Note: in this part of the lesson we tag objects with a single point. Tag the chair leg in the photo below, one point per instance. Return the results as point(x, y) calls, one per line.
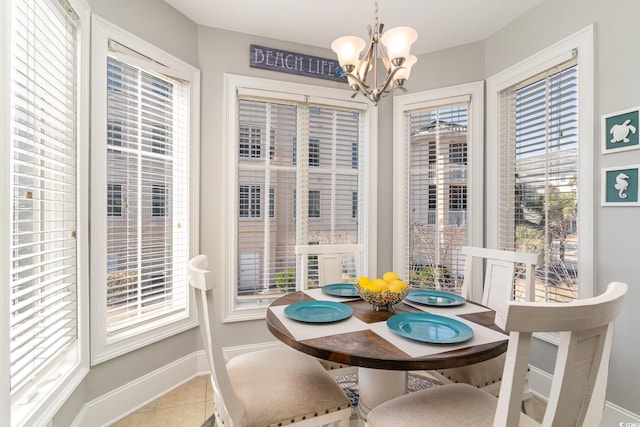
point(527, 405)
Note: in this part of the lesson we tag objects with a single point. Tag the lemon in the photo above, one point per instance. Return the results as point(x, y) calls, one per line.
point(397, 286)
point(390, 276)
point(364, 281)
point(381, 285)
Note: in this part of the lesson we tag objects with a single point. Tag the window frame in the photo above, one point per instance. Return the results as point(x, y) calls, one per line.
point(56, 383)
point(233, 312)
point(106, 344)
point(475, 152)
point(582, 41)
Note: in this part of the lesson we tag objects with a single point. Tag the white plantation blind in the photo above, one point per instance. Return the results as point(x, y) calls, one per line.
point(299, 182)
point(436, 200)
point(147, 195)
point(539, 176)
point(43, 274)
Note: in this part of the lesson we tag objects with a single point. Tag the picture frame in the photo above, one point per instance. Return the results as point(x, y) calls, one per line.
point(620, 185)
point(621, 130)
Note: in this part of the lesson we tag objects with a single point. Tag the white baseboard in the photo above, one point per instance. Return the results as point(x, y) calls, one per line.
point(613, 415)
point(124, 400)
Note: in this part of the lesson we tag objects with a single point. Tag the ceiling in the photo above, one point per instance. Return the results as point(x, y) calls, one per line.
point(440, 25)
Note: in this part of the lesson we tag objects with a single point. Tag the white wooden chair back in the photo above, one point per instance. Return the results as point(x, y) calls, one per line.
point(499, 273)
point(331, 259)
point(229, 409)
point(582, 364)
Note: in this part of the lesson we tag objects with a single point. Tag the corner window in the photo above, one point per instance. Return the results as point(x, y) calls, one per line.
point(143, 146)
point(542, 177)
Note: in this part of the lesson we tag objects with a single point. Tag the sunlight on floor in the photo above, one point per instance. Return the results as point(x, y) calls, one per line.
point(188, 405)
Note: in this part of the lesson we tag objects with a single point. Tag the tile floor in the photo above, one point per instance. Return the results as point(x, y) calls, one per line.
point(190, 404)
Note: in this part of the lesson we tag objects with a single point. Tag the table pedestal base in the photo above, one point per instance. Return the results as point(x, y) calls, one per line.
point(377, 386)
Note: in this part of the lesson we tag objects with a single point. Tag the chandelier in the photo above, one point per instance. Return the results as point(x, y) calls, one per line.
point(392, 48)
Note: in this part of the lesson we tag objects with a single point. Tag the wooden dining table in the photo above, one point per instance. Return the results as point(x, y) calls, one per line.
point(382, 356)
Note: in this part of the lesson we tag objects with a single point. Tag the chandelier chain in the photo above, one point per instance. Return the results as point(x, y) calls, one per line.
point(375, 12)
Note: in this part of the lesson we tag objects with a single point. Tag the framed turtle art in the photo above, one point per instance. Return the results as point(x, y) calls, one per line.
point(620, 186)
point(621, 130)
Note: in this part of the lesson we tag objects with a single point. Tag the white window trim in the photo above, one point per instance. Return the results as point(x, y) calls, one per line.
point(51, 394)
point(103, 346)
point(543, 60)
point(404, 103)
point(262, 87)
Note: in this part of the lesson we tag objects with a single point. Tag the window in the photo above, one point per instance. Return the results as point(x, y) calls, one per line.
point(314, 136)
point(45, 233)
point(250, 200)
point(439, 150)
point(545, 192)
point(354, 205)
point(272, 202)
point(314, 204)
point(314, 153)
point(143, 151)
point(158, 201)
point(114, 200)
point(250, 143)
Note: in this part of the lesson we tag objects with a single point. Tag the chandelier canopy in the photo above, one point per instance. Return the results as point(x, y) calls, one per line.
point(392, 48)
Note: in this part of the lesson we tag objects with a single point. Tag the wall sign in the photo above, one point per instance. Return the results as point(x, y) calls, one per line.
point(621, 130)
point(620, 186)
point(294, 63)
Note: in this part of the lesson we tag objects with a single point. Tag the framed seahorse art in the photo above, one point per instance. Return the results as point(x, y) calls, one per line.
point(621, 130)
point(620, 186)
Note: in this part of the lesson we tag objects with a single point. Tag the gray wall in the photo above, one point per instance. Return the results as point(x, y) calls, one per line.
point(617, 234)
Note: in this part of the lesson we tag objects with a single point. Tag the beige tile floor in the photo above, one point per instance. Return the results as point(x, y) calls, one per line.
point(188, 405)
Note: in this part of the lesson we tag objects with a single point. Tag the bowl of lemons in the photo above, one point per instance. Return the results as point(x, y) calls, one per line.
point(382, 293)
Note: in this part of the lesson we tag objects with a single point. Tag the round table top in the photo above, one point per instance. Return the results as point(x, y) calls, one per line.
point(366, 348)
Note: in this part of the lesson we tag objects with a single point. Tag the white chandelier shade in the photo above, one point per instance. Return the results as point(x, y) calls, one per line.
point(398, 42)
point(348, 49)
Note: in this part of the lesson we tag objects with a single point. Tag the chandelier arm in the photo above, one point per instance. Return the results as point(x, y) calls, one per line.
point(385, 89)
point(367, 60)
point(361, 85)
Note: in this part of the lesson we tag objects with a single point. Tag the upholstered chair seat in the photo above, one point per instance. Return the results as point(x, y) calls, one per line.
point(272, 384)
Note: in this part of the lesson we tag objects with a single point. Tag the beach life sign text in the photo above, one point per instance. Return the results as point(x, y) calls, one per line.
point(294, 63)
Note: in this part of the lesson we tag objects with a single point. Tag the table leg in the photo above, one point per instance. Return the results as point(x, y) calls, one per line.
point(377, 386)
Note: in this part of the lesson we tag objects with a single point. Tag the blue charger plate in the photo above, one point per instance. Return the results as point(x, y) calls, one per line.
point(435, 298)
point(429, 328)
point(340, 290)
point(318, 311)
